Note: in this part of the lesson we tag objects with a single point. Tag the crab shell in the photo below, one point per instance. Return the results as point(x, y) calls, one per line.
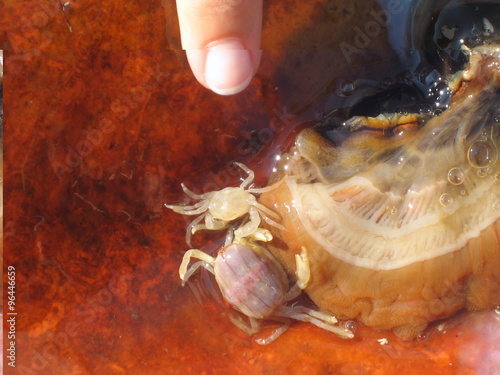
point(401, 230)
point(250, 279)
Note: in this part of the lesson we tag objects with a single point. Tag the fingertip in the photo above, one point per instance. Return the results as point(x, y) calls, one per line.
point(222, 41)
point(226, 67)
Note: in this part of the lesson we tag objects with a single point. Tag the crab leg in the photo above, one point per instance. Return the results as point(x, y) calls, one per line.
point(181, 209)
point(268, 220)
point(191, 227)
point(214, 224)
point(277, 332)
point(303, 271)
point(206, 261)
point(250, 177)
point(192, 195)
point(319, 319)
point(202, 208)
point(266, 210)
point(251, 226)
point(342, 332)
point(251, 329)
point(266, 188)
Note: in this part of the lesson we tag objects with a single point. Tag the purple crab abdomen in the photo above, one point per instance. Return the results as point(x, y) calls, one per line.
point(249, 281)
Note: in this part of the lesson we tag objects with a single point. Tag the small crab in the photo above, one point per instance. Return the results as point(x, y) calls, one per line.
point(220, 208)
point(254, 283)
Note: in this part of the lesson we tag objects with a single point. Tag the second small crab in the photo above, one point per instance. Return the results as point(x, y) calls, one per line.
point(221, 207)
point(255, 284)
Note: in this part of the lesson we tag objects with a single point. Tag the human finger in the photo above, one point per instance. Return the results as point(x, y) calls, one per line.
point(222, 41)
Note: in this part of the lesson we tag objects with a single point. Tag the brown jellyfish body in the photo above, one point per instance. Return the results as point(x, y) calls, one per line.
point(401, 218)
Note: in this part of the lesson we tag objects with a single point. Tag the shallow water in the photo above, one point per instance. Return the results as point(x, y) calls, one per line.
point(102, 125)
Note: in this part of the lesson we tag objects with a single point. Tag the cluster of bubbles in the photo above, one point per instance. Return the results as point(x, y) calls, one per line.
point(456, 177)
point(481, 155)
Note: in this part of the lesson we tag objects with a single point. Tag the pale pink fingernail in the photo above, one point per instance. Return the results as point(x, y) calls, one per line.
point(228, 66)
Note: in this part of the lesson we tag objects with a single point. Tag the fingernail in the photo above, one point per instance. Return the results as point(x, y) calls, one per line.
point(228, 67)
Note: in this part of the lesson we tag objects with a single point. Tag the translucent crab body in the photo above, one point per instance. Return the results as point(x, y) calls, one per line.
point(219, 209)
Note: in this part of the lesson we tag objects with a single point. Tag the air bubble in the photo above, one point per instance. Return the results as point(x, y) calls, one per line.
point(496, 205)
point(446, 199)
point(481, 154)
point(349, 325)
point(497, 309)
point(455, 176)
point(481, 172)
point(463, 192)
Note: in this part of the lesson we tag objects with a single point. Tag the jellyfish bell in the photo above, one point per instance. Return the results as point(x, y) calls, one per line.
point(400, 213)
